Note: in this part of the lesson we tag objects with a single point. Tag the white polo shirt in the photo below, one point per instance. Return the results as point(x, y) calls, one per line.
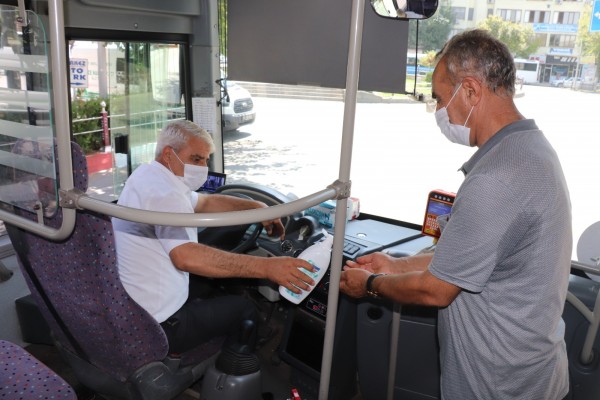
point(145, 268)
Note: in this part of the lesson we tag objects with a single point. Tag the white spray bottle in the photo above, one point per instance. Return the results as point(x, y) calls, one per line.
point(319, 255)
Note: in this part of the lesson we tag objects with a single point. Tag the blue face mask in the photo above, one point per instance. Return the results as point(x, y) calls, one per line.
point(194, 176)
point(455, 133)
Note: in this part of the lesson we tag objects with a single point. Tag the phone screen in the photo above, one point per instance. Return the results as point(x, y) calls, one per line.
point(438, 203)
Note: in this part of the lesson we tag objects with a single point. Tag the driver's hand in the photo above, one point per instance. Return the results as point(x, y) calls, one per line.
point(274, 228)
point(287, 273)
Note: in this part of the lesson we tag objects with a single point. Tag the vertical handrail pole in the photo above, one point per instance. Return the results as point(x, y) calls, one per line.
point(393, 360)
point(352, 74)
point(587, 352)
point(60, 86)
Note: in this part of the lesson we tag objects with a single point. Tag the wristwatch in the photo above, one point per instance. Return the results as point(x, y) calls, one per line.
point(370, 291)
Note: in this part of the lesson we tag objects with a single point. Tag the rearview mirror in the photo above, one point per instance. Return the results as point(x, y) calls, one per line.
point(405, 9)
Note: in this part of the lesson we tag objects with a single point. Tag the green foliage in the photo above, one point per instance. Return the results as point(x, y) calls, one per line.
point(428, 77)
point(433, 32)
point(429, 59)
point(81, 112)
point(222, 9)
point(520, 39)
point(12, 116)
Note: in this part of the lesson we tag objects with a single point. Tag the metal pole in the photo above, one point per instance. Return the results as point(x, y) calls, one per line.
point(393, 361)
point(105, 132)
point(228, 218)
point(58, 70)
point(352, 74)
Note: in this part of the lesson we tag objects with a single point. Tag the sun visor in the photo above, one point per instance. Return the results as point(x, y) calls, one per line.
point(306, 42)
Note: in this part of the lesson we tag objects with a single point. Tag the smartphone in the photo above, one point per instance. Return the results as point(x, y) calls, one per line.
point(439, 202)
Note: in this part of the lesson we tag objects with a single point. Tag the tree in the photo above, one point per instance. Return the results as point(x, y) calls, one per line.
point(433, 32)
point(85, 115)
point(521, 40)
point(222, 7)
point(590, 41)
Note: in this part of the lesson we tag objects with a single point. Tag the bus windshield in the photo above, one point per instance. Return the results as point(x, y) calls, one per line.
point(288, 137)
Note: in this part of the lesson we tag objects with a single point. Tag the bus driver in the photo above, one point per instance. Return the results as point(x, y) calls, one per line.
point(155, 261)
point(500, 270)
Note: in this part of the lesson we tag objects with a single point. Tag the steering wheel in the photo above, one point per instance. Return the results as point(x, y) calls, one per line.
point(241, 238)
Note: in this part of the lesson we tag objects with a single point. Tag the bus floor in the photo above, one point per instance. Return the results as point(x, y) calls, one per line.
point(273, 379)
point(275, 374)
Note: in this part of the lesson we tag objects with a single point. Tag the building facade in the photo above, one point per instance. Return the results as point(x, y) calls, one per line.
point(555, 24)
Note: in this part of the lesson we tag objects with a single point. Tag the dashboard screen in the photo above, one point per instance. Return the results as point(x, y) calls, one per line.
point(214, 181)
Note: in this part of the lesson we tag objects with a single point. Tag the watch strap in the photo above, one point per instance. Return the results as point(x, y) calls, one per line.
point(370, 291)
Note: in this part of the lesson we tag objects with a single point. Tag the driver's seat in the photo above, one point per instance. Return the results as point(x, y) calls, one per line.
point(113, 345)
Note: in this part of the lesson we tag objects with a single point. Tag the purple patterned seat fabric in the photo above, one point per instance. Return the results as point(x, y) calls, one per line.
point(24, 377)
point(80, 277)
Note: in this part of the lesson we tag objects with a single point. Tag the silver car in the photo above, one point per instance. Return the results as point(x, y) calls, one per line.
point(237, 106)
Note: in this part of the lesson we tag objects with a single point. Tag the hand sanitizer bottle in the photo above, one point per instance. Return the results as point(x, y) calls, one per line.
point(319, 255)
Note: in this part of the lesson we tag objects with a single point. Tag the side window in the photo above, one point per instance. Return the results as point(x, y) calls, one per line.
point(27, 169)
point(122, 94)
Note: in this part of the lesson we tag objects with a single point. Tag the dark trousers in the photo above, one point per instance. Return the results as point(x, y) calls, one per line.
point(200, 320)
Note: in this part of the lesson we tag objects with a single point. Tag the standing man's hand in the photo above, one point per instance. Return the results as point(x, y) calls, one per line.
point(353, 282)
point(377, 263)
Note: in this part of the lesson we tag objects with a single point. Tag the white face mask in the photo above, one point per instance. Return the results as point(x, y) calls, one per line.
point(455, 133)
point(194, 176)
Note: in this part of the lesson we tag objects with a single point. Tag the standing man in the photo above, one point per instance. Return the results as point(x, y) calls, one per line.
point(155, 261)
point(500, 270)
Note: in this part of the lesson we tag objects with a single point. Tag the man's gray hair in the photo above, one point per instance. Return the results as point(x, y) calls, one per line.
point(177, 133)
point(478, 54)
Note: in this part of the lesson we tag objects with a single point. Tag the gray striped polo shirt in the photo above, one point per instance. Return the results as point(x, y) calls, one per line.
point(508, 245)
